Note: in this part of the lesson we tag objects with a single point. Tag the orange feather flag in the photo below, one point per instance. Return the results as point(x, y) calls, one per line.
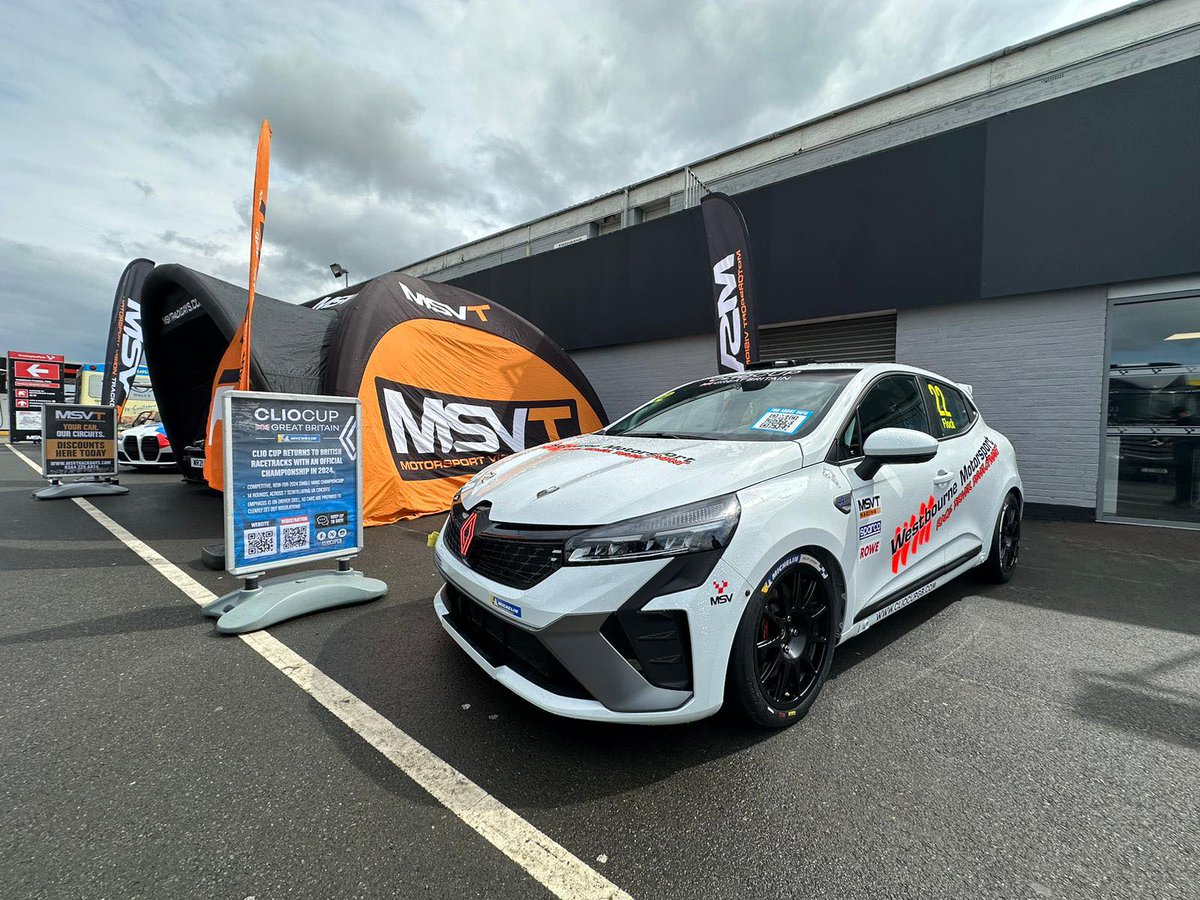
point(258, 221)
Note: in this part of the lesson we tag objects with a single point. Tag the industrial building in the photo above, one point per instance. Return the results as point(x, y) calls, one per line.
point(1028, 224)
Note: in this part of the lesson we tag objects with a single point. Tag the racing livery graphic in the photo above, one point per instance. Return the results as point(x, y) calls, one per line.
point(683, 558)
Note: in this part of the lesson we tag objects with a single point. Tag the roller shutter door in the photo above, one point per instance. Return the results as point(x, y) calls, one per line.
point(866, 339)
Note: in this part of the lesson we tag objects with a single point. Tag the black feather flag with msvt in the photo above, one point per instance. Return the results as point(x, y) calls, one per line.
point(733, 284)
point(124, 352)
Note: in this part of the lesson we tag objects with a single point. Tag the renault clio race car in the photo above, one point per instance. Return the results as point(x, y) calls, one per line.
point(717, 544)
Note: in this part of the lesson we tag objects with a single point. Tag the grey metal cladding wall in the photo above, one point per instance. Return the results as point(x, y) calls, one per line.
point(866, 339)
point(1096, 187)
point(627, 376)
point(1036, 364)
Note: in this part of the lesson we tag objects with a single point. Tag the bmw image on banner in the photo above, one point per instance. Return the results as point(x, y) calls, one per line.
point(78, 440)
point(293, 479)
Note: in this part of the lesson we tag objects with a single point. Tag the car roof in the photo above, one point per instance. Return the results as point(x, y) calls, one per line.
point(869, 370)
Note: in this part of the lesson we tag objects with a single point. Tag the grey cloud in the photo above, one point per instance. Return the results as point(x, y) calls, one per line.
point(145, 187)
point(348, 127)
point(205, 248)
point(639, 88)
point(309, 231)
point(56, 301)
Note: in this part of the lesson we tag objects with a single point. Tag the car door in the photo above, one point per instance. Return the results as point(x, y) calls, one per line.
point(894, 510)
point(968, 502)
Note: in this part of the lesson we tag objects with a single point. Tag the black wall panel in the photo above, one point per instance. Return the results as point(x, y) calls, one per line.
point(637, 284)
point(900, 228)
point(1095, 187)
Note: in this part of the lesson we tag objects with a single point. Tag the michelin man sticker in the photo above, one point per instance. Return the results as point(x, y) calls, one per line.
point(785, 421)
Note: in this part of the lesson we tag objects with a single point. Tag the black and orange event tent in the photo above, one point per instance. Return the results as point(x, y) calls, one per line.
point(449, 381)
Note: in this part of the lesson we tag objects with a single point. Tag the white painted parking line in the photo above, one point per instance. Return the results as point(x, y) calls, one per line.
point(560, 871)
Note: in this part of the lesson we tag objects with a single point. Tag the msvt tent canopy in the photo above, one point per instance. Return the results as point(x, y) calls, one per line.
point(449, 381)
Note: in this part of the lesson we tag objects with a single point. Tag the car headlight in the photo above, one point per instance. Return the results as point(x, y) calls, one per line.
point(694, 528)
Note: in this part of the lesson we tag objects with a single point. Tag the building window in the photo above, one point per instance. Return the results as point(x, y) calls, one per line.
point(1152, 453)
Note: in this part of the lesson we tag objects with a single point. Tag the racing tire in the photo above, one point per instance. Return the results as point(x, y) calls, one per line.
point(1006, 542)
point(783, 647)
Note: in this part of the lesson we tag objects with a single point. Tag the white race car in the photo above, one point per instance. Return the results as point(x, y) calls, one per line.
point(717, 543)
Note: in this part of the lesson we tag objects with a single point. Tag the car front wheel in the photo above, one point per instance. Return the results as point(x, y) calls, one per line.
point(784, 643)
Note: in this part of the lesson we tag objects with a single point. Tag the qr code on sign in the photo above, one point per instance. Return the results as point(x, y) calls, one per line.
point(258, 542)
point(295, 537)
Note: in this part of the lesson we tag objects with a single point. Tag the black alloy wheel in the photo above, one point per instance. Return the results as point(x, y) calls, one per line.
point(784, 643)
point(1010, 535)
point(793, 630)
point(1006, 545)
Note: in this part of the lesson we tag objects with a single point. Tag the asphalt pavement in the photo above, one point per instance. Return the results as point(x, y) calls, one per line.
point(1038, 739)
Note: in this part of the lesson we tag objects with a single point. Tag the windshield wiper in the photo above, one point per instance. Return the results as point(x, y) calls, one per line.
point(674, 435)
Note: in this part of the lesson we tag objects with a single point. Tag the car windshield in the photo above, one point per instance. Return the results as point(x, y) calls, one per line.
point(757, 406)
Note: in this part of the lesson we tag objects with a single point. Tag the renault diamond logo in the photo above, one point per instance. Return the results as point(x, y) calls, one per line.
point(467, 532)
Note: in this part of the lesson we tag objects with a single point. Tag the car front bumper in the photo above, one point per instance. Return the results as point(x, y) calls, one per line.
point(627, 642)
point(135, 450)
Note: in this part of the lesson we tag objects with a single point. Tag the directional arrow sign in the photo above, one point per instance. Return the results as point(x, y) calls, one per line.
point(35, 370)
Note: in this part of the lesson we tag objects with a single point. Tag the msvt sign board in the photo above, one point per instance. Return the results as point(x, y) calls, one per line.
point(78, 440)
point(293, 479)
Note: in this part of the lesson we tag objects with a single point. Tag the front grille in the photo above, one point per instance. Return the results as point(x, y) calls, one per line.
point(150, 447)
point(512, 555)
point(504, 644)
point(130, 446)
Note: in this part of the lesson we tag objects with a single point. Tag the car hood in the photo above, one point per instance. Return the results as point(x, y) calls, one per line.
point(598, 479)
point(143, 430)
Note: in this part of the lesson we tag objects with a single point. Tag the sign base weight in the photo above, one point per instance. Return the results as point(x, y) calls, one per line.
point(80, 489)
point(258, 605)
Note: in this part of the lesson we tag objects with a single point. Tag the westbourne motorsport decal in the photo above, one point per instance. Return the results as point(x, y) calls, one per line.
point(936, 511)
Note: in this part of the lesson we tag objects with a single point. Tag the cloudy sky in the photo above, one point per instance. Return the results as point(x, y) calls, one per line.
point(401, 128)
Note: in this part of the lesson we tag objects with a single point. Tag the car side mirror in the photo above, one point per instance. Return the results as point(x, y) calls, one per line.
point(895, 446)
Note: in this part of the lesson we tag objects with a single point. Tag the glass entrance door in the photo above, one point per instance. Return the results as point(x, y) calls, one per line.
point(1152, 453)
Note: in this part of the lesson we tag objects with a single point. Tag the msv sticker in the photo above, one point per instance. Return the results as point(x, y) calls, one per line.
point(511, 608)
point(869, 530)
point(786, 421)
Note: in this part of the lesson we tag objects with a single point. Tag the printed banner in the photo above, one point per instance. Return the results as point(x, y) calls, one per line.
point(33, 379)
point(78, 439)
point(733, 285)
point(123, 356)
point(258, 223)
point(293, 480)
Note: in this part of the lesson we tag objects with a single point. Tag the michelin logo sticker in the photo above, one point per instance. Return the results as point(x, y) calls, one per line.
point(511, 608)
